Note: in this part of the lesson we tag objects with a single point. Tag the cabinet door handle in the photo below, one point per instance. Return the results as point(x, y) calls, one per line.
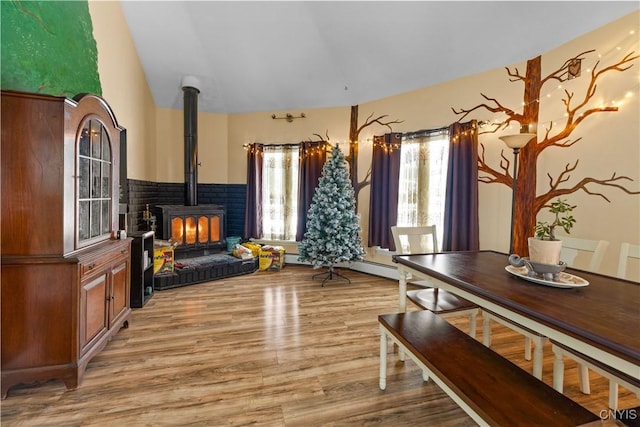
point(91, 266)
point(124, 251)
point(110, 298)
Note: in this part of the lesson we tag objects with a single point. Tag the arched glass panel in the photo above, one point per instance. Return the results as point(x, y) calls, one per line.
point(93, 183)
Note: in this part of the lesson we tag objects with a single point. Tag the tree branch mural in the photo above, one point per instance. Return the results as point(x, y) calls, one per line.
point(528, 203)
point(352, 157)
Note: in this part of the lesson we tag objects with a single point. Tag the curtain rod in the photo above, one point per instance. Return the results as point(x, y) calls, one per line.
point(425, 132)
point(285, 145)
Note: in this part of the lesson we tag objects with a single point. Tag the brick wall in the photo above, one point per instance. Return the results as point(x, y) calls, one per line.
point(141, 193)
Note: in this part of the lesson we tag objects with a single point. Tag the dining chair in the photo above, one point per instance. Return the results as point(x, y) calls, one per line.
point(571, 248)
point(584, 364)
point(420, 240)
point(615, 378)
point(627, 250)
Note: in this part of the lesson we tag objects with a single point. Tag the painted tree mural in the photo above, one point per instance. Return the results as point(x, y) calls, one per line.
point(48, 47)
point(577, 109)
point(354, 134)
point(352, 157)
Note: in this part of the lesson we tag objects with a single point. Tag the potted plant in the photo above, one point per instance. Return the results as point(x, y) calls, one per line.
point(544, 247)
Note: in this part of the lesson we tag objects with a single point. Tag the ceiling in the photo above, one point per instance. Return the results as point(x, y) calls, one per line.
point(250, 56)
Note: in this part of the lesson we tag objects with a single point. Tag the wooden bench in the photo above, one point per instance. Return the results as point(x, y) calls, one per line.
point(488, 387)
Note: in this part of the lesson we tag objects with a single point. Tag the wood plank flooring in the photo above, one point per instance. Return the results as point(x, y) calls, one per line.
point(267, 349)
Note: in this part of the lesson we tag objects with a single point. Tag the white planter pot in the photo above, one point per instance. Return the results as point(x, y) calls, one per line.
point(545, 251)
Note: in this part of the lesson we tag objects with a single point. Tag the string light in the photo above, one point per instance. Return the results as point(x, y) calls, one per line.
point(379, 142)
point(616, 101)
point(615, 51)
point(318, 149)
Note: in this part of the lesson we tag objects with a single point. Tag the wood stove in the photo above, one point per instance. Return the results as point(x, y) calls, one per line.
point(195, 229)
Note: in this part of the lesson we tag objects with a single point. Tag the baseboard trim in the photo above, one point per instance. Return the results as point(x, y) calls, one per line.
point(368, 267)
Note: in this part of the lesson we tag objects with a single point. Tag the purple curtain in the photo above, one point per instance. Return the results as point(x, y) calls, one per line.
point(312, 158)
point(253, 209)
point(383, 205)
point(461, 224)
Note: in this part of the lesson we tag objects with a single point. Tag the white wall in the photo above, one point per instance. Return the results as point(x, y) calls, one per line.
point(124, 85)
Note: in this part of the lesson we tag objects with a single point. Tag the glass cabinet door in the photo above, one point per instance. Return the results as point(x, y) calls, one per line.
point(94, 183)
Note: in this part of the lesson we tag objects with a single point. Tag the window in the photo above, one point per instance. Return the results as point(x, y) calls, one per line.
point(280, 192)
point(423, 180)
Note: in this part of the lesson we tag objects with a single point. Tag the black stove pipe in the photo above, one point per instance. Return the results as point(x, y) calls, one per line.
point(190, 143)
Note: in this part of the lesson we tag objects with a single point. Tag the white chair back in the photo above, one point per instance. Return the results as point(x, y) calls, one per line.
point(572, 247)
point(415, 240)
point(627, 251)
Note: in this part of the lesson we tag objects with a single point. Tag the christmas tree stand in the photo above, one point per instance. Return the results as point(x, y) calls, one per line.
point(330, 275)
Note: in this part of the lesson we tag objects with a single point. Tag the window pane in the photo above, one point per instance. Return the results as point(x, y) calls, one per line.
point(106, 150)
point(203, 229)
point(190, 228)
point(83, 220)
point(96, 139)
point(95, 218)
point(105, 186)
point(84, 180)
point(95, 178)
point(423, 179)
point(215, 228)
point(280, 193)
point(85, 140)
point(105, 216)
point(177, 229)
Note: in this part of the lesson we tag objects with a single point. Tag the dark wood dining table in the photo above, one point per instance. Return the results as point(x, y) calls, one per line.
point(600, 320)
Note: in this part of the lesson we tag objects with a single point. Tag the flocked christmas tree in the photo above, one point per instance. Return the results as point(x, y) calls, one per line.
point(333, 226)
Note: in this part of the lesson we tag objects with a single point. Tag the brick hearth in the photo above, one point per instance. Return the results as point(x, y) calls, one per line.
point(204, 269)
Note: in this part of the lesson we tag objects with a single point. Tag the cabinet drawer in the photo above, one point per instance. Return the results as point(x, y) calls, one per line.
point(94, 265)
point(100, 259)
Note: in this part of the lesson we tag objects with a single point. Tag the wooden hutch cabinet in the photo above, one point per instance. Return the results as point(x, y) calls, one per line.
point(64, 275)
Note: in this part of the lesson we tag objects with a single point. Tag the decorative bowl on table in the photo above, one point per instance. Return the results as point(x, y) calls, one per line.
point(538, 270)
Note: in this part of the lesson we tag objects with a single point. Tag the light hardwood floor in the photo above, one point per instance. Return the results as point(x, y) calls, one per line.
point(268, 349)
